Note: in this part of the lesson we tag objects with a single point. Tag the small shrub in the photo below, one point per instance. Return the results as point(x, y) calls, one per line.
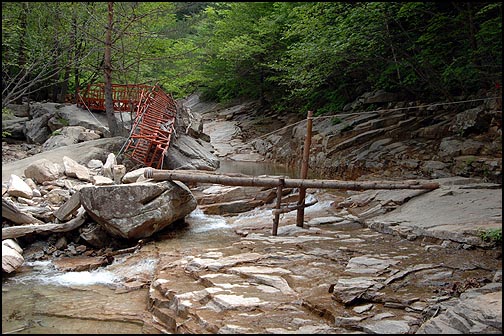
point(63, 121)
point(7, 112)
point(492, 236)
point(470, 160)
point(336, 121)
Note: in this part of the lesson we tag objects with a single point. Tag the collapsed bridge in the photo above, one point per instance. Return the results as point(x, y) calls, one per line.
point(154, 113)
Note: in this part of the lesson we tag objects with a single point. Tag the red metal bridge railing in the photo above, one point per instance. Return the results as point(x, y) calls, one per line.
point(152, 128)
point(154, 118)
point(125, 97)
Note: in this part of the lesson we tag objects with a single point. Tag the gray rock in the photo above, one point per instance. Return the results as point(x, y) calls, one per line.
point(472, 120)
point(74, 169)
point(81, 152)
point(349, 290)
point(467, 206)
point(386, 327)
point(18, 187)
point(99, 180)
point(19, 110)
point(88, 136)
point(368, 264)
point(14, 127)
point(42, 170)
point(66, 136)
point(137, 210)
point(107, 166)
point(190, 153)
point(12, 257)
point(133, 176)
point(94, 164)
point(478, 311)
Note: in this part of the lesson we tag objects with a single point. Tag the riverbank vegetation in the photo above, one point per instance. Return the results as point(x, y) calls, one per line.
point(289, 55)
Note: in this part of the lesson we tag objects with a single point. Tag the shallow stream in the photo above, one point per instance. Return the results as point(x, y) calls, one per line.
point(40, 299)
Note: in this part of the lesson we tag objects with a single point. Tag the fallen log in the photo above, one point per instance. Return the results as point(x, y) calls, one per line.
point(255, 181)
point(23, 230)
point(12, 213)
point(68, 208)
point(292, 207)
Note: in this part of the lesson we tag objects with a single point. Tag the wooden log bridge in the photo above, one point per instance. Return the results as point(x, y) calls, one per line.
point(281, 182)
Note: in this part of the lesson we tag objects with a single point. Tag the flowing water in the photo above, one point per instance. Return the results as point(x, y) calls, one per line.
point(40, 299)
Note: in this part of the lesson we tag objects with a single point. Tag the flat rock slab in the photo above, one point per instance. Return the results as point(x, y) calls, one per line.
point(450, 212)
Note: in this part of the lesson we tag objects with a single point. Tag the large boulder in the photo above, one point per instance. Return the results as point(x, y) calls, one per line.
point(66, 136)
point(137, 210)
point(36, 129)
point(190, 153)
point(190, 147)
point(14, 127)
point(42, 170)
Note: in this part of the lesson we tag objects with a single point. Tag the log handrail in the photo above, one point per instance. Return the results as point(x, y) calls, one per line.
point(258, 181)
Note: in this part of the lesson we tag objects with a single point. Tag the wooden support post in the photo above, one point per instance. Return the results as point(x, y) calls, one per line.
point(276, 219)
point(293, 207)
point(304, 168)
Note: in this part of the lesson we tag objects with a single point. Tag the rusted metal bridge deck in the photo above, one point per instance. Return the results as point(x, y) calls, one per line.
point(154, 114)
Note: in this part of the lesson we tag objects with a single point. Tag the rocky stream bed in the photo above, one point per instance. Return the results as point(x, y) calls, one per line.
point(375, 261)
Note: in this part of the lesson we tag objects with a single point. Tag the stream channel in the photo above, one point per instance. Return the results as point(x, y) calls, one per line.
point(284, 290)
point(39, 299)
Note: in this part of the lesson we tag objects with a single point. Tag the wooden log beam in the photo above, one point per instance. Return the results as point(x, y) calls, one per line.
point(23, 230)
point(12, 213)
point(255, 181)
point(279, 211)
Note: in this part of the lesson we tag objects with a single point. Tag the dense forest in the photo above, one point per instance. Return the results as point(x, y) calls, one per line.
point(289, 55)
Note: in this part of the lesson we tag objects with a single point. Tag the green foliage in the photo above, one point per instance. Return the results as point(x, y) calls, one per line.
point(294, 56)
point(493, 236)
point(470, 160)
point(336, 121)
point(6, 112)
point(63, 121)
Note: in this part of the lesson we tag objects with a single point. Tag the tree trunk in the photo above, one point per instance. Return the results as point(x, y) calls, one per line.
point(22, 41)
point(71, 59)
point(77, 51)
point(23, 230)
point(472, 34)
point(109, 102)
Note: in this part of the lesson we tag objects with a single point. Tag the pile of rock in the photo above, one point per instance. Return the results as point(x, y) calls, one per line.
point(55, 198)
